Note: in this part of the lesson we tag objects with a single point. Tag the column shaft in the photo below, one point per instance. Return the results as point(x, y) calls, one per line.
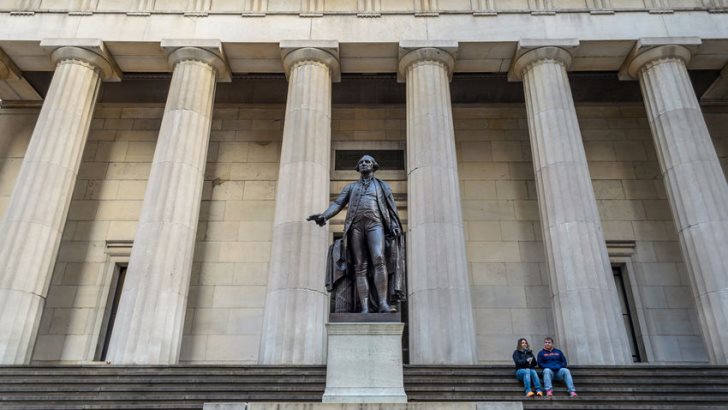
point(586, 307)
point(697, 191)
point(30, 232)
point(150, 319)
point(296, 305)
point(441, 318)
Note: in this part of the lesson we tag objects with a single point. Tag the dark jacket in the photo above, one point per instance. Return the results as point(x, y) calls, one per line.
point(520, 358)
point(554, 360)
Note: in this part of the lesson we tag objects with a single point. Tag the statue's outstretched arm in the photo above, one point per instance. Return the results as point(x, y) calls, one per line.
point(333, 209)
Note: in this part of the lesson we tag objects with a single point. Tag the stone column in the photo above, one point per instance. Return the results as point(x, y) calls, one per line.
point(297, 303)
point(150, 319)
point(696, 186)
point(441, 315)
point(585, 303)
point(31, 230)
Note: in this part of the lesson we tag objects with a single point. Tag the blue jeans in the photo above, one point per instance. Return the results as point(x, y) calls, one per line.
point(527, 376)
point(563, 374)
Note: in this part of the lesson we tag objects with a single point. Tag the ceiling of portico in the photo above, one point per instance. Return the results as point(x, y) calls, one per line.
point(369, 71)
point(466, 88)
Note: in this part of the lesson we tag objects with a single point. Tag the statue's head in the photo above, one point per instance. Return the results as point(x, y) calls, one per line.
point(367, 159)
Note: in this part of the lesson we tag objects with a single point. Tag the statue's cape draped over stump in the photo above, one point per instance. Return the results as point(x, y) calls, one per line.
point(339, 273)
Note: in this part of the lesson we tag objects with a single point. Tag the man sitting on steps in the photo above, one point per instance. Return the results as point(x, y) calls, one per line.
point(553, 363)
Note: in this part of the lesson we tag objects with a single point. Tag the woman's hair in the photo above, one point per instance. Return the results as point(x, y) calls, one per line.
point(518, 345)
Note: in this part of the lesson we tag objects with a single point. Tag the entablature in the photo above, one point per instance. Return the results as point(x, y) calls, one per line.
point(366, 45)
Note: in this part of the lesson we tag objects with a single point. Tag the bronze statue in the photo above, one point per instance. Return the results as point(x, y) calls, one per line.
point(371, 251)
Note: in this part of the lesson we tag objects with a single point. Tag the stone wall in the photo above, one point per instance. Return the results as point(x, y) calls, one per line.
point(511, 294)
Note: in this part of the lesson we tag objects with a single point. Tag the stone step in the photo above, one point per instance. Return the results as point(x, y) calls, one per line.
point(162, 371)
point(113, 405)
point(654, 379)
point(663, 405)
point(168, 379)
point(602, 370)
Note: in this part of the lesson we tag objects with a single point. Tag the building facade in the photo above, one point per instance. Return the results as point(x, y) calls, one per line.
point(560, 166)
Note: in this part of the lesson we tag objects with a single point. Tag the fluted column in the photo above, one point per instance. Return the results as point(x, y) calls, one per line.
point(696, 186)
point(585, 303)
point(441, 316)
point(296, 305)
point(150, 319)
point(31, 230)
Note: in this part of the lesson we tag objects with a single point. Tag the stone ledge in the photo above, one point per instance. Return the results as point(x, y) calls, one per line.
point(366, 406)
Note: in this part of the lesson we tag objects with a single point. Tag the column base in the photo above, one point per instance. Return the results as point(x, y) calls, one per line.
point(364, 363)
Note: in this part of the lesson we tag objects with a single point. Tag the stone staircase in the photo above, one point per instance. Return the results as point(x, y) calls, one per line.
point(167, 387)
point(188, 387)
point(622, 387)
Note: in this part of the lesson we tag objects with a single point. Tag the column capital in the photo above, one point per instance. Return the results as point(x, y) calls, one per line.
point(322, 51)
point(531, 51)
point(650, 49)
point(90, 51)
point(411, 52)
point(208, 51)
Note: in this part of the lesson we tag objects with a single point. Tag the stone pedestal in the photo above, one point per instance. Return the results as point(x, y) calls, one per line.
point(364, 363)
point(297, 303)
point(149, 323)
point(695, 183)
point(30, 232)
point(441, 317)
point(586, 307)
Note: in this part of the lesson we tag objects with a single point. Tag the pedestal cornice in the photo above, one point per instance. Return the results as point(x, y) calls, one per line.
point(647, 50)
point(411, 52)
point(209, 52)
point(323, 51)
point(532, 51)
point(90, 51)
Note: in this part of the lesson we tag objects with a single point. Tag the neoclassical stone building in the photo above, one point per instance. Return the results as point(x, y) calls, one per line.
point(560, 166)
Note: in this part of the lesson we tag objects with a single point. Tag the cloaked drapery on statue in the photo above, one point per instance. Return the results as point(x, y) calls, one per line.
point(366, 267)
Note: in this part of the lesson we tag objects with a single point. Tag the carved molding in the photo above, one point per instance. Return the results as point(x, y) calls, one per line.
point(658, 6)
point(253, 8)
point(312, 8)
point(369, 8)
point(541, 7)
point(483, 7)
point(426, 8)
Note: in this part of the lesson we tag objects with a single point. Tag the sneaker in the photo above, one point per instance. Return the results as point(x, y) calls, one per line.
point(530, 394)
point(539, 393)
point(573, 394)
point(549, 394)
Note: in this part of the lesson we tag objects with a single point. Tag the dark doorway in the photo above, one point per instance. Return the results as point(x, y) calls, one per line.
point(112, 306)
point(627, 312)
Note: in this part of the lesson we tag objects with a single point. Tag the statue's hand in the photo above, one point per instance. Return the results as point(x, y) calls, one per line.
point(396, 232)
point(318, 218)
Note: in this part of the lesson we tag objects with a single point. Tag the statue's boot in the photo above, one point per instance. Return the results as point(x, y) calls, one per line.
point(365, 305)
point(380, 281)
point(362, 288)
point(385, 307)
